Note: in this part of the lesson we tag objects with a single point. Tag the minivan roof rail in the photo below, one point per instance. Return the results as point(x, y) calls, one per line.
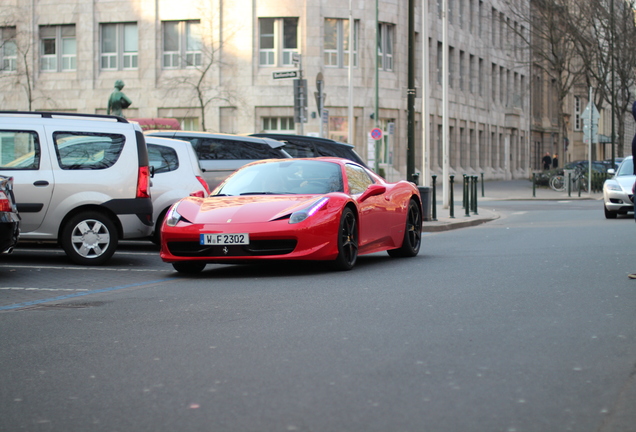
point(52, 114)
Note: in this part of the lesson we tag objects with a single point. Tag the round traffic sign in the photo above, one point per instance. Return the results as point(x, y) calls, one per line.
point(376, 133)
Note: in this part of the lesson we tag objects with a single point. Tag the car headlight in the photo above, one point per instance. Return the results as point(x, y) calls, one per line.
point(301, 215)
point(613, 187)
point(173, 217)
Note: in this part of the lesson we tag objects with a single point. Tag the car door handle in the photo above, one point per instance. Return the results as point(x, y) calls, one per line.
point(41, 183)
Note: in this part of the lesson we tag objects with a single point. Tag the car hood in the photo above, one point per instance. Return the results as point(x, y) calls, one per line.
point(243, 209)
point(626, 181)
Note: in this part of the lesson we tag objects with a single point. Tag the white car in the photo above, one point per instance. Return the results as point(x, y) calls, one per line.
point(618, 197)
point(176, 175)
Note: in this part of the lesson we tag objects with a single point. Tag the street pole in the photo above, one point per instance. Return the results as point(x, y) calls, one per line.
point(350, 128)
point(426, 135)
point(410, 152)
point(445, 121)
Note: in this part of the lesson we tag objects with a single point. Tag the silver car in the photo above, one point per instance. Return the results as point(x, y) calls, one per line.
point(176, 175)
point(618, 197)
point(222, 154)
point(80, 180)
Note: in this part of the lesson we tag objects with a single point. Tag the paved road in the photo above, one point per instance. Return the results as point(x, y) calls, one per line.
point(525, 323)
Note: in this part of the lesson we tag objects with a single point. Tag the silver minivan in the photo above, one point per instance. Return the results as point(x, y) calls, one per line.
point(80, 180)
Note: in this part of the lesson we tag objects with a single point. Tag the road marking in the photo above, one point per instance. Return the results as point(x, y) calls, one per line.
point(42, 289)
point(89, 268)
point(80, 294)
point(61, 252)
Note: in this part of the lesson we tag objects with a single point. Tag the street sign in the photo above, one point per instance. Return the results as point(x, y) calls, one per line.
point(376, 134)
point(285, 74)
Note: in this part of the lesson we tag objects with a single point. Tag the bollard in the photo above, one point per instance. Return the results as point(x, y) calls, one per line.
point(482, 185)
point(434, 201)
point(467, 196)
point(569, 184)
point(452, 204)
point(534, 185)
point(475, 196)
point(464, 191)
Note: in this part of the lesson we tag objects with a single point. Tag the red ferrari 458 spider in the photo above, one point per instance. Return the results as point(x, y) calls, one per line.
point(322, 209)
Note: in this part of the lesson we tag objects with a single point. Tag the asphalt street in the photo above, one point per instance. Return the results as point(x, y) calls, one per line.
point(524, 322)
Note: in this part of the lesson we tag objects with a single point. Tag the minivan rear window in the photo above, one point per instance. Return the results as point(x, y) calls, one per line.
point(87, 151)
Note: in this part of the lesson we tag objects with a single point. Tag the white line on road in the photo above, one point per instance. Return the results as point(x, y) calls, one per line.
point(84, 268)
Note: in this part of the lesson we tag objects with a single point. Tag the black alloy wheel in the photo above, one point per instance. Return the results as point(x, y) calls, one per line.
point(347, 241)
point(412, 233)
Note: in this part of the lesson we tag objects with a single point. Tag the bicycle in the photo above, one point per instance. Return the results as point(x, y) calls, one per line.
point(558, 182)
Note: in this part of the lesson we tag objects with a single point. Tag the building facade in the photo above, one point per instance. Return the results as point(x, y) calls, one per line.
point(211, 64)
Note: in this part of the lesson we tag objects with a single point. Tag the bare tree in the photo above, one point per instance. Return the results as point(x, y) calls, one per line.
point(545, 30)
point(17, 45)
point(605, 39)
point(198, 78)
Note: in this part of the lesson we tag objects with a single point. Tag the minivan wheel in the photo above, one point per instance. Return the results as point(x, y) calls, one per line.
point(89, 238)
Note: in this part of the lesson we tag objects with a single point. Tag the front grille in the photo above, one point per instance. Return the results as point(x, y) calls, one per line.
point(255, 248)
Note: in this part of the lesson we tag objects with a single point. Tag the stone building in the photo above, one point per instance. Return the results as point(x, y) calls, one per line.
point(211, 65)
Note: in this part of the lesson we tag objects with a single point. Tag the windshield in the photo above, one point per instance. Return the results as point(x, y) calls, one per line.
point(626, 168)
point(284, 177)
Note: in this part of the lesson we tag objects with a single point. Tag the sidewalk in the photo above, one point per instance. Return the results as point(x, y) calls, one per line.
point(494, 190)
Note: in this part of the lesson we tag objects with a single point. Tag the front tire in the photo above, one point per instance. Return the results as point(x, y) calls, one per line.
point(412, 233)
point(189, 267)
point(89, 238)
point(347, 241)
point(610, 214)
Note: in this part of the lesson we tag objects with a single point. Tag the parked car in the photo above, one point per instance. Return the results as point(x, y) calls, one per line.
point(618, 197)
point(9, 217)
point(80, 180)
point(327, 209)
point(302, 146)
point(176, 174)
point(222, 154)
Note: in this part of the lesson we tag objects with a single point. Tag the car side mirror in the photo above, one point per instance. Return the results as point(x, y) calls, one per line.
point(372, 190)
point(611, 171)
point(152, 171)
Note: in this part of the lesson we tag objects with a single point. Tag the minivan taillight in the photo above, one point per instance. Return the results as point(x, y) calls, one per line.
point(204, 184)
point(143, 182)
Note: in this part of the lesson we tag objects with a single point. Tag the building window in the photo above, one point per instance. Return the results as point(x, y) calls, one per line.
point(578, 121)
point(181, 44)
point(119, 46)
point(279, 124)
point(189, 123)
point(278, 40)
point(8, 49)
point(385, 46)
point(462, 72)
point(440, 62)
point(58, 48)
point(336, 52)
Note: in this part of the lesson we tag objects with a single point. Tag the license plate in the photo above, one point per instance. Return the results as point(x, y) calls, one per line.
point(225, 239)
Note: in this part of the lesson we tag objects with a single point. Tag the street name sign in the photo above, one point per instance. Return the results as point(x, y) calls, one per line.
point(285, 74)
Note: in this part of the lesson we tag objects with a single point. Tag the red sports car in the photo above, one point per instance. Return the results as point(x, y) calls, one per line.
point(322, 209)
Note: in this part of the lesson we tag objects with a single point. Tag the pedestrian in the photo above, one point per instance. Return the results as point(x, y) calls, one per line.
point(633, 275)
point(555, 161)
point(547, 161)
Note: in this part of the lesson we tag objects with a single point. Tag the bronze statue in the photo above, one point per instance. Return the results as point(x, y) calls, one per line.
point(118, 100)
